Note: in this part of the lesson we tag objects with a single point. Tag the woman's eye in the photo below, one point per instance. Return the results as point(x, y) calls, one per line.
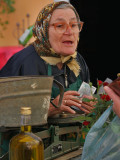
point(60, 26)
point(74, 25)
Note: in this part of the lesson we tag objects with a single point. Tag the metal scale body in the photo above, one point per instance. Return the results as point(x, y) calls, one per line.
point(60, 134)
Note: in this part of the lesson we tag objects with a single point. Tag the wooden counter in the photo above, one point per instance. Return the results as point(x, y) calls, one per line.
point(71, 155)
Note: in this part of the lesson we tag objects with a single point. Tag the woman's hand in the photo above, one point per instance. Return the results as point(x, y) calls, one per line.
point(69, 99)
point(87, 107)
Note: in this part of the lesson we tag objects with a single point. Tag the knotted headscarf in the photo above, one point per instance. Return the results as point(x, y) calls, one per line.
point(42, 44)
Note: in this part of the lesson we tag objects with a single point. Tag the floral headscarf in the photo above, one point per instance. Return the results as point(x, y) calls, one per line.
point(42, 45)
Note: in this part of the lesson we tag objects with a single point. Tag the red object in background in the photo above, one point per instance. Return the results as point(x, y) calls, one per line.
point(86, 123)
point(7, 52)
point(105, 97)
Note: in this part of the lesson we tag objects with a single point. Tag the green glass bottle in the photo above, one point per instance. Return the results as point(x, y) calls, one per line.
point(26, 36)
point(26, 145)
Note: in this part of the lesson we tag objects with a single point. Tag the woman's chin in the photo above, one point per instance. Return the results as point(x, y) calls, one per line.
point(67, 53)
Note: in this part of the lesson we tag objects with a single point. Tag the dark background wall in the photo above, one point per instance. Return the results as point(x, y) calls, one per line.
point(97, 44)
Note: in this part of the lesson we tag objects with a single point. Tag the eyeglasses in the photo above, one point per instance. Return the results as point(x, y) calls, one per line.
point(61, 27)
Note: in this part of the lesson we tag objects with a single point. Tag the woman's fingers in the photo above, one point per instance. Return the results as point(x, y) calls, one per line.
point(84, 106)
point(74, 93)
point(72, 103)
point(70, 99)
point(87, 106)
point(67, 109)
point(86, 96)
point(85, 110)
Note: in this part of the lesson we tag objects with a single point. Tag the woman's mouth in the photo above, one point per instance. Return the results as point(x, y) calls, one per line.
point(68, 43)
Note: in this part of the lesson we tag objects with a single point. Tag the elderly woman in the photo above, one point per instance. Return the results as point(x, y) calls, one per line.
point(56, 30)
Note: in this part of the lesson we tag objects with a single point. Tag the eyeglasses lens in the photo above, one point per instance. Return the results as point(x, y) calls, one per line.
point(62, 27)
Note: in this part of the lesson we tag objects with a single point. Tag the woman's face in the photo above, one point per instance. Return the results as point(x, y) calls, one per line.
point(63, 43)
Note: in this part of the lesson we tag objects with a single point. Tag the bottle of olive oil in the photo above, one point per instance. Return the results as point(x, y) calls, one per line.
point(26, 145)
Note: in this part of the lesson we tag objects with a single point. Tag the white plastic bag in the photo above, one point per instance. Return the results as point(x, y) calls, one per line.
point(103, 143)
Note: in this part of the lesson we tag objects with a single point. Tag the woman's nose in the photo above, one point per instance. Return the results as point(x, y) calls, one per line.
point(68, 30)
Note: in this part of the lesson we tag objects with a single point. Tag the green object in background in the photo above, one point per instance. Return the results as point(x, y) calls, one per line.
point(26, 36)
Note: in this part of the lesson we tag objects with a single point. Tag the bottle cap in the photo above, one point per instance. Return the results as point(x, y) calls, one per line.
point(25, 110)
